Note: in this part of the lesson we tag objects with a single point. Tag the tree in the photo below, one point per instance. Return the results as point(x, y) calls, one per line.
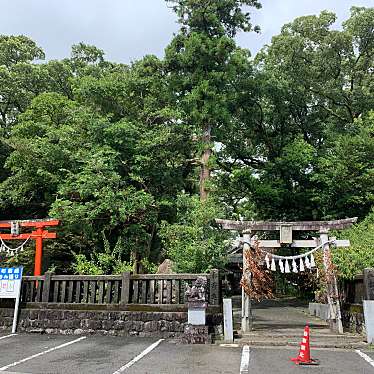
point(202, 59)
point(352, 261)
point(110, 162)
point(309, 87)
point(194, 243)
point(115, 150)
point(63, 165)
point(18, 78)
point(345, 173)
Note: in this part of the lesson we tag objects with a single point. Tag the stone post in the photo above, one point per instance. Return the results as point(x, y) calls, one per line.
point(331, 284)
point(369, 283)
point(214, 288)
point(46, 287)
point(125, 290)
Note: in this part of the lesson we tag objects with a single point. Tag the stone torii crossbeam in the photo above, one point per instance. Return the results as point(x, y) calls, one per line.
point(248, 230)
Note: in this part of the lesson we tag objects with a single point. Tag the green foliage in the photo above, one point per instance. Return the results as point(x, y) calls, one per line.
point(17, 49)
point(203, 62)
point(289, 148)
point(345, 174)
point(99, 264)
point(360, 255)
point(110, 261)
point(116, 151)
point(194, 243)
point(223, 17)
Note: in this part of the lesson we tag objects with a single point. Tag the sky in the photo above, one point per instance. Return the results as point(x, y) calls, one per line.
point(129, 29)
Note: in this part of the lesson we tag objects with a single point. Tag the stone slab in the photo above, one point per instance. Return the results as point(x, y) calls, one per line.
point(227, 320)
point(196, 316)
point(369, 320)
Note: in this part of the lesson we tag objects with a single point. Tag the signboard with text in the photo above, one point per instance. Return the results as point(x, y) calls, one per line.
point(10, 288)
point(10, 282)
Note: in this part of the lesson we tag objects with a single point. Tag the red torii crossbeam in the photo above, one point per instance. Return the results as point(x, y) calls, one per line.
point(38, 235)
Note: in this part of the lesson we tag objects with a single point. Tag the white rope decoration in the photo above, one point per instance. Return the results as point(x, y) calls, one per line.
point(283, 264)
point(287, 268)
point(299, 256)
point(302, 268)
point(12, 251)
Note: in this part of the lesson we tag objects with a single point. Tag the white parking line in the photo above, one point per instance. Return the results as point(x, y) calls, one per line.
point(138, 357)
point(7, 336)
point(244, 365)
point(41, 354)
point(365, 357)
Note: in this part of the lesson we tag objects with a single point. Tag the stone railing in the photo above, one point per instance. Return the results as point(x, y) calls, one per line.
point(140, 305)
point(112, 290)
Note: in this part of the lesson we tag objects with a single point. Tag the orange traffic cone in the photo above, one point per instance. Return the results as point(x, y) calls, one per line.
point(304, 353)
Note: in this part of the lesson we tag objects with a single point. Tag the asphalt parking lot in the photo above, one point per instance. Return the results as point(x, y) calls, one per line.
point(44, 354)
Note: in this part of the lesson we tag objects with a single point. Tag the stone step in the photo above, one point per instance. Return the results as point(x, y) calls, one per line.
point(342, 344)
point(299, 335)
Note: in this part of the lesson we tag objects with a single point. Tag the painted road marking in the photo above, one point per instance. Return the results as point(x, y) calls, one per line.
point(41, 353)
point(365, 357)
point(138, 357)
point(244, 365)
point(229, 345)
point(7, 336)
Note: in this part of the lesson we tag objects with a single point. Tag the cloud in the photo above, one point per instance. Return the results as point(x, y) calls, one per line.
point(128, 29)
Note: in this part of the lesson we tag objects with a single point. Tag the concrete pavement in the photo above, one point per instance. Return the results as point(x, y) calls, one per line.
point(47, 354)
point(281, 322)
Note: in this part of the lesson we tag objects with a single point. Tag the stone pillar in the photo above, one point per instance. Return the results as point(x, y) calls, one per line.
point(369, 283)
point(331, 285)
point(369, 320)
point(246, 301)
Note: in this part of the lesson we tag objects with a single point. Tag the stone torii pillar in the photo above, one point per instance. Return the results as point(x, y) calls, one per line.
point(246, 301)
point(331, 284)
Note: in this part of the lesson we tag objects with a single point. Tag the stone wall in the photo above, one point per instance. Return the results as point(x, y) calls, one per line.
point(117, 323)
point(319, 310)
point(353, 318)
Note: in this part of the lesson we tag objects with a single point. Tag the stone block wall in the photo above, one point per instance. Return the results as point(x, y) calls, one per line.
point(319, 310)
point(116, 323)
point(353, 318)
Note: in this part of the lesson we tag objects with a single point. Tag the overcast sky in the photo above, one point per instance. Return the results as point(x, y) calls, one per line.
point(128, 29)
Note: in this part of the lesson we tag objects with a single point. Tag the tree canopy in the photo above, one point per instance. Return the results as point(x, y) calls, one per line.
point(137, 160)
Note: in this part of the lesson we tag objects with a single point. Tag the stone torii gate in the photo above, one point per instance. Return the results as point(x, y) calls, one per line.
point(248, 230)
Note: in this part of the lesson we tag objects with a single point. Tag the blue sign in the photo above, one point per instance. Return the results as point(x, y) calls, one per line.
point(10, 288)
point(10, 282)
point(11, 273)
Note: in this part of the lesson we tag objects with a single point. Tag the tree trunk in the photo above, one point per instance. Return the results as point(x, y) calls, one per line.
point(205, 169)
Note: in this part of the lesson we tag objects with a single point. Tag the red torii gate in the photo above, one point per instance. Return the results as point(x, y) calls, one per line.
point(38, 235)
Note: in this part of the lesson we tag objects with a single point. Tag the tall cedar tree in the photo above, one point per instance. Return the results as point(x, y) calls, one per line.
point(203, 58)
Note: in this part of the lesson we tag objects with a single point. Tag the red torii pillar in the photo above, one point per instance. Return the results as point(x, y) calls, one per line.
point(38, 235)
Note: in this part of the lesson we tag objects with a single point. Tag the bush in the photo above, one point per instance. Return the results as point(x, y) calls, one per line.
point(194, 243)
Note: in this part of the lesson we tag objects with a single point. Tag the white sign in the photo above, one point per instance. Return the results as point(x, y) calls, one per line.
point(10, 288)
point(10, 282)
